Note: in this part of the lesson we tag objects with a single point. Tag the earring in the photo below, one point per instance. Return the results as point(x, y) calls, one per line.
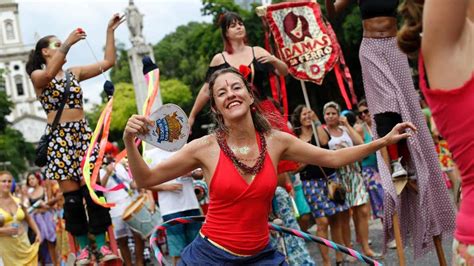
point(253, 109)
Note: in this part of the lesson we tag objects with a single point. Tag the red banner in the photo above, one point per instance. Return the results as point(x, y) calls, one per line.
point(304, 41)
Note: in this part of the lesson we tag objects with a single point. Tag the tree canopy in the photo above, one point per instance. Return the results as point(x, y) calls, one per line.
point(185, 54)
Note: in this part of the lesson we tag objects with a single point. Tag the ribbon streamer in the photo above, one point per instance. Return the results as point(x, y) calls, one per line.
point(103, 124)
point(322, 241)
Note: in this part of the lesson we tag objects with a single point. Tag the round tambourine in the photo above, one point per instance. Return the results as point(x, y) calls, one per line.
point(170, 130)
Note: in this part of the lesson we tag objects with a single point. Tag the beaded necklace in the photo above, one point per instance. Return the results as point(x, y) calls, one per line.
point(253, 170)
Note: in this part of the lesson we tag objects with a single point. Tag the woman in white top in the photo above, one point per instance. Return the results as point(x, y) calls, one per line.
point(342, 135)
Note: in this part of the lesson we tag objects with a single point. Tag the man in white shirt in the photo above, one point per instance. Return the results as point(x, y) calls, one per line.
point(176, 198)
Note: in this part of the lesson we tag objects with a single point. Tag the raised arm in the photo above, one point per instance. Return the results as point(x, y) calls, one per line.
point(443, 24)
point(334, 8)
point(180, 163)
point(355, 137)
point(203, 95)
point(41, 77)
point(90, 71)
point(263, 56)
point(297, 150)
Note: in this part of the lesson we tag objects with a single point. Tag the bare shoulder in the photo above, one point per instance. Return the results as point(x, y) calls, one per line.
point(280, 139)
point(259, 51)
point(359, 128)
point(217, 60)
point(204, 142)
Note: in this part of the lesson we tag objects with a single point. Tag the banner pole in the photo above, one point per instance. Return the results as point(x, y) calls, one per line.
point(308, 105)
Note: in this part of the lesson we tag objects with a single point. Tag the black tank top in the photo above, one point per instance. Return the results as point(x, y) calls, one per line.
point(378, 8)
point(313, 172)
point(258, 76)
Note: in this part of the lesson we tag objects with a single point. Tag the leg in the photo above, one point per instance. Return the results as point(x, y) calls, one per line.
point(52, 252)
point(323, 226)
point(361, 223)
point(304, 221)
point(99, 222)
point(345, 228)
point(335, 221)
point(139, 248)
point(124, 250)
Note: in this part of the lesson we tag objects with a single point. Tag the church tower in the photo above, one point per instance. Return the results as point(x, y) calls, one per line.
point(27, 115)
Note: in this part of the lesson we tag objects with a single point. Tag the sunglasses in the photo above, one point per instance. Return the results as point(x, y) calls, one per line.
point(365, 112)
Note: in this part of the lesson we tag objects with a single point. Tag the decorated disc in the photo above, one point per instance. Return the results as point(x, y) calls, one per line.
point(170, 130)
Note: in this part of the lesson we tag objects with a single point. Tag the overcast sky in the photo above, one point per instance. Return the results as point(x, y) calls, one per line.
point(60, 17)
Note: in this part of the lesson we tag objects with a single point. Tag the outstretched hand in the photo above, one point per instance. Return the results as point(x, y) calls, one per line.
point(400, 131)
point(115, 21)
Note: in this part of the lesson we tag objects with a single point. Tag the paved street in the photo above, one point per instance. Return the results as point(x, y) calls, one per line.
point(376, 235)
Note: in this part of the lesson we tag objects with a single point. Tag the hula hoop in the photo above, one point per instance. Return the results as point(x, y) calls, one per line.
point(322, 241)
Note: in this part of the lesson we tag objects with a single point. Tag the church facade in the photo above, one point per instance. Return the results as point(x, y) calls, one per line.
point(27, 115)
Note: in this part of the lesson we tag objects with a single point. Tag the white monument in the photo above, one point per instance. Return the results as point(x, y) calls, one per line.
point(27, 115)
point(135, 55)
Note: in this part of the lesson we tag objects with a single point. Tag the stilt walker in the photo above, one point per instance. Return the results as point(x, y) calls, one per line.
point(415, 191)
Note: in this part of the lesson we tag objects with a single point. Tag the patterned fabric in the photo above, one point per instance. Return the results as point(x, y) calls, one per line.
point(373, 184)
point(316, 192)
point(46, 225)
point(463, 254)
point(50, 98)
point(351, 176)
point(66, 150)
point(389, 87)
point(297, 253)
point(444, 156)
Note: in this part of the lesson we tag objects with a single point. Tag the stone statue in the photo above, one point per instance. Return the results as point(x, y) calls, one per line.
point(135, 24)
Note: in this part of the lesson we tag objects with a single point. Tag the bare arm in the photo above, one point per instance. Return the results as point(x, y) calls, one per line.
point(334, 8)
point(109, 170)
point(42, 77)
point(180, 163)
point(300, 151)
point(443, 23)
point(203, 95)
point(201, 101)
point(32, 224)
point(90, 71)
point(263, 56)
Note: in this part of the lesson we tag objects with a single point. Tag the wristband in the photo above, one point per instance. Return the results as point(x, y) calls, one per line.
point(288, 187)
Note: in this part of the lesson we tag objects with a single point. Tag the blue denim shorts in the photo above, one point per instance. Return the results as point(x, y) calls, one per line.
point(203, 252)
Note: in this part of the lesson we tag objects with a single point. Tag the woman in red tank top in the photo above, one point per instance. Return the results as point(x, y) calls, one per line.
point(447, 43)
point(239, 163)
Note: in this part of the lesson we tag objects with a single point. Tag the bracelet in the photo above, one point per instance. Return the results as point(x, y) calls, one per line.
point(288, 187)
point(64, 48)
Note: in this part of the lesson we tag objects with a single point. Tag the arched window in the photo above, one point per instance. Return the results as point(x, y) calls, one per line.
point(19, 85)
point(10, 32)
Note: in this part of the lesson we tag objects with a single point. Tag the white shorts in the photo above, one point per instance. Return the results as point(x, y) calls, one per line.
point(121, 228)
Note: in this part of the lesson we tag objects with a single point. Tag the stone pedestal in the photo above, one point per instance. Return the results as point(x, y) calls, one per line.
point(135, 56)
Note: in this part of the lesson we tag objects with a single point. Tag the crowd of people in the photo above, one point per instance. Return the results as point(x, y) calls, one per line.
point(258, 166)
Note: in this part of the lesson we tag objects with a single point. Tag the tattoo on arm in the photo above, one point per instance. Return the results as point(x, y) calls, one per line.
point(65, 48)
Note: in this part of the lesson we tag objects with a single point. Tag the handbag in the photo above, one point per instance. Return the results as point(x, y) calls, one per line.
point(336, 191)
point(42, 148)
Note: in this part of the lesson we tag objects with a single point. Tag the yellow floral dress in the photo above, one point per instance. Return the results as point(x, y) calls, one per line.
point(17, 250)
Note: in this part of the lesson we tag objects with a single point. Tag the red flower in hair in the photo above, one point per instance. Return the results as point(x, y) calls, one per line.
point(245, 70)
